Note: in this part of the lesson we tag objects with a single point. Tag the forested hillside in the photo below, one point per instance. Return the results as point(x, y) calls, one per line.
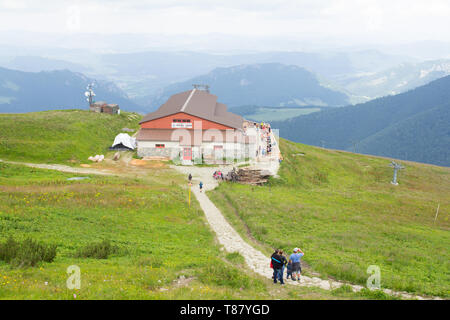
point(412, 125)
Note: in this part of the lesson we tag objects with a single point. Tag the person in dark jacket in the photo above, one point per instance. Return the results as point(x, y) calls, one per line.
point(278, 261)
point(284, 260)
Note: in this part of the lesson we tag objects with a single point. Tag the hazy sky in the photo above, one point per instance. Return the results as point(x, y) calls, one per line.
point(385, 21)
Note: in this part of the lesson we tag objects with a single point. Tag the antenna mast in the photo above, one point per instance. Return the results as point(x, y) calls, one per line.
point(90, 93)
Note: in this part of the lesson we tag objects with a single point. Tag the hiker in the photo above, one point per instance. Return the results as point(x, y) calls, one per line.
point(201, 186)
point(289, 270)
point(190, 178)
point(271, 264)
point(277, 263)
point(296, 267)
point(285, 262)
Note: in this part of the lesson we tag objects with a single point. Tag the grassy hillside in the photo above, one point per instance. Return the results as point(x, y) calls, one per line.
point(69, 136)
point(163, 249)
point(158, 236)
point(342, 211)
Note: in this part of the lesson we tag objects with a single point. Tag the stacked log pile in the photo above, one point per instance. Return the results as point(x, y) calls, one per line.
point(249, 176)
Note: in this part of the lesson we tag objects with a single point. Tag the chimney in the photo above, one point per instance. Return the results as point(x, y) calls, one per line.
point(203, 87)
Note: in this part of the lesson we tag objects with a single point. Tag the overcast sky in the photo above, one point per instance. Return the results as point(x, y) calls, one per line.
point(377, 21)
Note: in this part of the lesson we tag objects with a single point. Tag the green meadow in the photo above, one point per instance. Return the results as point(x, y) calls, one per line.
point(134, 236)
point(164, 249)
point(159, 239)
point(341, 209)
point(62, 136)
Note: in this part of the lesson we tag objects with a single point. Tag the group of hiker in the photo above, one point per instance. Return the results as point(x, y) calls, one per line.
point(200, 185)
point(278, 262)
point(218, 175)
point(266, 141)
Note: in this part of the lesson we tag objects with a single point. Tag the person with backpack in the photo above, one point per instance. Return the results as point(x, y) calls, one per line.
point(296, 266)
point(201, 186)
point(284, 260)
point(278, 262)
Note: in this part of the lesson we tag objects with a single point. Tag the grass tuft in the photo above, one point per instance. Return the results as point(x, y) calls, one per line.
point(26, 253)
point(97, 250)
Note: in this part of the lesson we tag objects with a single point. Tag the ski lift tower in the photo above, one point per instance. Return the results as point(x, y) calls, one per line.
point(89, 94)
point(396, 167)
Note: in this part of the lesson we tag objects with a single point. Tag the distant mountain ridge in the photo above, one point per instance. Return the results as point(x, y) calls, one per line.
point(29, 91)
point(37, 64)
point(413, 125)
point(398, 79)
point(271, 84)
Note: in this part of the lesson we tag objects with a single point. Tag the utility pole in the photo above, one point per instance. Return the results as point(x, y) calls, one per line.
point(437, 212)
point(355, 145)
point(189, 187)
point(396, 167)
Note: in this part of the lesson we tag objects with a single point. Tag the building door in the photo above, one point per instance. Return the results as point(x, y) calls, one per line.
point(218, 152)
point(187, 154)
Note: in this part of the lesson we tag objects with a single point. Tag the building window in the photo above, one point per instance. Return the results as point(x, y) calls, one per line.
point(160, 146)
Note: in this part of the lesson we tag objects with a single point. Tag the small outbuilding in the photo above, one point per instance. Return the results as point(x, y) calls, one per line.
point(103, 107)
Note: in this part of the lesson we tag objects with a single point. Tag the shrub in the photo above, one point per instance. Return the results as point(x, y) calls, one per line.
point(97, 250)
point(377, 295)
point(342, 290)
point(27, 253)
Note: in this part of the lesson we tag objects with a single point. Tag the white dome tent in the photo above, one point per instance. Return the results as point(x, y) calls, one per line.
point(123, 141)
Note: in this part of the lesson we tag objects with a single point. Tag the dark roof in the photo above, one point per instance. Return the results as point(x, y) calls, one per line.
point(197, 103)
point(99, 103)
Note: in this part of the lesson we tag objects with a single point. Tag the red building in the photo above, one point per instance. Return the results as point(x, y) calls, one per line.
point(192, 126)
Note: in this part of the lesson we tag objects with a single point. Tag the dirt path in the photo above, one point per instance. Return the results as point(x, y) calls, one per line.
point(233, 242)
point(63, 168)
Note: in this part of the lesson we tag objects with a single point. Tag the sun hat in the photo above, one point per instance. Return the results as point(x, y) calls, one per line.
point(295, 249)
